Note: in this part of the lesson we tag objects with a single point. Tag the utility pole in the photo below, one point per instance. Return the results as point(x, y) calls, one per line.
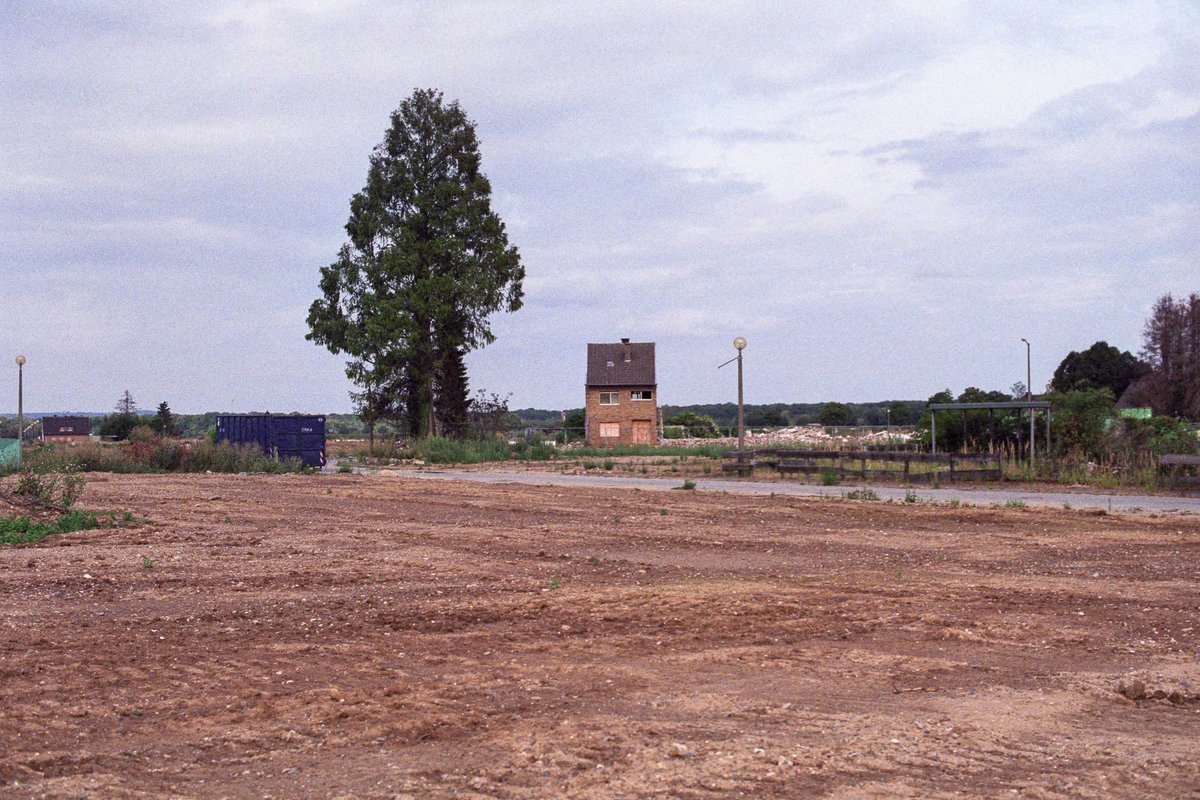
point(20, 401)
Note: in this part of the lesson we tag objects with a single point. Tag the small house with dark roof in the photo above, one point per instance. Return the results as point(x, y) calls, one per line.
point(68, 430)
point(621, 394)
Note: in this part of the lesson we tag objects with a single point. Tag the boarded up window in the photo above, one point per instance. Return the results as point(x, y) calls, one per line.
point(644, 394)
point(610, 430)
point(610, 398)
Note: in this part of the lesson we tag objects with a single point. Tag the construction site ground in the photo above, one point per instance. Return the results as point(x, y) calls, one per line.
point(360, 636)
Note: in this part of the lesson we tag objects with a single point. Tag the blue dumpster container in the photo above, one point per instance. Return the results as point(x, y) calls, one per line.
point(280, 436)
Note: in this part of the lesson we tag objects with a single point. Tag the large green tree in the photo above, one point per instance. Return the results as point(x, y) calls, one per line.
point(1101, 366)
point(427, 263)
point(835, 414)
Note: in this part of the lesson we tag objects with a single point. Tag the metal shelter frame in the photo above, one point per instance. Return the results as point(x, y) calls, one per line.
point(1017, 405)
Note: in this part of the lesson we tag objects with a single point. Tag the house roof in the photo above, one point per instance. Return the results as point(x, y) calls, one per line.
point(65, 426)
point(622, 363)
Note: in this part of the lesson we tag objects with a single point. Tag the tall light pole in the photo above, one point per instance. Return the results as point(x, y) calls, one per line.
point(20, 401)
point(740, 344)
point(1029, 396)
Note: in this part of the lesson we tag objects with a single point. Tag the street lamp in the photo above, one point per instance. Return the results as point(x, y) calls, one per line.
point(20, 400)
point(1029, 397)
point(740, 344)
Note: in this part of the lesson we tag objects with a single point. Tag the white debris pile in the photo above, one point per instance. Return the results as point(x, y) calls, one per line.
point(809, 436)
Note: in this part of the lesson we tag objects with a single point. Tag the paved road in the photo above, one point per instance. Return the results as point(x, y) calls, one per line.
point(1076, 498)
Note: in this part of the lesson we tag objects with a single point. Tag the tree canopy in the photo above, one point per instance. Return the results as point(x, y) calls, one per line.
point(123, 419)
point(1101, 366)
point(427, 263)
point(1171, 348)
point(834, 414)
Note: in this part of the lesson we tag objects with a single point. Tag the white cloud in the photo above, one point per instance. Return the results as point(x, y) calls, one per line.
point(838, 181)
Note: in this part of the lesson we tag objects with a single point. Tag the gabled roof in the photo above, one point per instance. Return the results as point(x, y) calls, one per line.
point(622, 363)
point(65, 426)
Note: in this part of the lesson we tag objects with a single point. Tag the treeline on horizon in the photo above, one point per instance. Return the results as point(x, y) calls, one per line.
point(194, 426)
point(762, 415)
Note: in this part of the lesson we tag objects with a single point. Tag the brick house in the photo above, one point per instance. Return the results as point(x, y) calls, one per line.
point(67, 430)
point(621, 394)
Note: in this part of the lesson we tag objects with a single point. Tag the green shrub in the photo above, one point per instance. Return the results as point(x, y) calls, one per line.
point(158, 454)
point(227, 457)
point(442, 450)
point(1079, 421)
point(1157, 435)
point(58, 489)
point(24, 531)
point(829, 476)
point(695, 425)
point(700, 451)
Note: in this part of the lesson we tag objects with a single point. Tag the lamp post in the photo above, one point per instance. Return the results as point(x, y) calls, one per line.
point(740, 344)
point(1029, 397)
point(20, 400)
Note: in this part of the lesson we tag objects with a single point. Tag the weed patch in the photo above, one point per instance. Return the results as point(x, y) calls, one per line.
point(22, 530)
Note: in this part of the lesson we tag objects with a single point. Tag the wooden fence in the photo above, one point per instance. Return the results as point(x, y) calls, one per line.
point(907, 467)
point(1179, 466)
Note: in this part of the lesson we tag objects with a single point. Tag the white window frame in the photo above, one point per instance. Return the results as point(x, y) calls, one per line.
point(614, 398)
point(635, 394)
point(607, 428)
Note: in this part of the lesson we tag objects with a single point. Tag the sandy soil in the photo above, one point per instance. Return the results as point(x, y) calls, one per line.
point(354, 636)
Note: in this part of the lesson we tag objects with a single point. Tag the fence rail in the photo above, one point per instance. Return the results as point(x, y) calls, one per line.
point(866, 464)
point(1181, 469)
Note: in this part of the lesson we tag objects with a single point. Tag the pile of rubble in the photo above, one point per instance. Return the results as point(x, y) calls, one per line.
point(803, 436)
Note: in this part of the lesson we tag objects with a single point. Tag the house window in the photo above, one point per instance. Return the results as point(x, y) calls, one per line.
point(610, 398)
point(642, 394)
point(610, 430)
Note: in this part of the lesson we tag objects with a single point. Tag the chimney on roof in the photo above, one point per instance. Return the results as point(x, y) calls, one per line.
point(625, 341)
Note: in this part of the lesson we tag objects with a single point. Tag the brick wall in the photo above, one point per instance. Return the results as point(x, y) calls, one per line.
point(84, 439)
point(624, 414)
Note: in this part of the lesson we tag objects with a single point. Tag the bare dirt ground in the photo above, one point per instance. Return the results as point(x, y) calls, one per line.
point(355, 636)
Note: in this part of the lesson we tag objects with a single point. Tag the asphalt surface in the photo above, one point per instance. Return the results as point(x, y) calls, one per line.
point(983, 496)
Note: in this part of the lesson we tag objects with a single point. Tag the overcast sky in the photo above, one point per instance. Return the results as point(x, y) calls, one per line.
point(882, 197)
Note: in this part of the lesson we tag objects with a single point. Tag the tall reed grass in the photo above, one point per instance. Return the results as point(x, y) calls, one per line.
point(157, 454)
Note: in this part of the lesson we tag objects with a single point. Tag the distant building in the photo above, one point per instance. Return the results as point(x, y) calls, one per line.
point(621, 394)
point(69, 430)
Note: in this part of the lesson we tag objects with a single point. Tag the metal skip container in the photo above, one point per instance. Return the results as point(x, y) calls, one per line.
point(279, 436)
